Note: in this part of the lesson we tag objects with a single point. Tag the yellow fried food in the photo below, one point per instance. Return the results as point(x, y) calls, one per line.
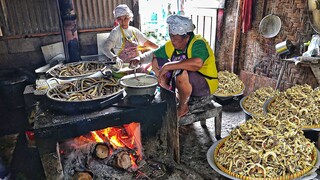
point(254, 102)
point(229, 84)
point(301, 101)
point(265, 147)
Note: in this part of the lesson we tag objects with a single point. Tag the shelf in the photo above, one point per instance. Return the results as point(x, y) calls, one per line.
point(314, 63)
point(304, 59)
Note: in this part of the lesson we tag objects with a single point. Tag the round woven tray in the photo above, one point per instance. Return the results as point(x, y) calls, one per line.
point(213, 152)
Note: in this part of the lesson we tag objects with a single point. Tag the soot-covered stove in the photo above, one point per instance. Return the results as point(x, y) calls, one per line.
point(51, 127)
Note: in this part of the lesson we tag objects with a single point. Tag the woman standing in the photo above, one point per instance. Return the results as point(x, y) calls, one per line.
point(124, 40)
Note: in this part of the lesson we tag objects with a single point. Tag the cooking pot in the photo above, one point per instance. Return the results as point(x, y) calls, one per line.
point(139, 84)
point(284, 47)
point(81, 106)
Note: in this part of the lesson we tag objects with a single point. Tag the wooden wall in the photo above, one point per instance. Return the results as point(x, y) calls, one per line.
point(256, 59)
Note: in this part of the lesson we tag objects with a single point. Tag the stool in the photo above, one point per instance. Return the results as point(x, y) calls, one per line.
point(201, 109)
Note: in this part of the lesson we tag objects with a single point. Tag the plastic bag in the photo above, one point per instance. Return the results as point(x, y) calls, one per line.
point(314, 47)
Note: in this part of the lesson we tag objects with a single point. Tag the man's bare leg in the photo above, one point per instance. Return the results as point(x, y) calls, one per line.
point(184, 91)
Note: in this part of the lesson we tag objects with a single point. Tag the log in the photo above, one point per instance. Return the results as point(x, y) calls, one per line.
point(123, 160)
point(101, 151)
point(84, 175)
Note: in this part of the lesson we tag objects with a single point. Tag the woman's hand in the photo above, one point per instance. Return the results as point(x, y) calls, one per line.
point(134, 63)
point(119, 62)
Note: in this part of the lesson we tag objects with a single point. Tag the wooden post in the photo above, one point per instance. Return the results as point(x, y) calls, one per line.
point(236, 39)
point(136, 14)
point(68, 28)
point(171, 123)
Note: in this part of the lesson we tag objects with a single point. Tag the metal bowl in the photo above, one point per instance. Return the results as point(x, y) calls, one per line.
point(270, 26)
point(139, 84)
point(248, 115)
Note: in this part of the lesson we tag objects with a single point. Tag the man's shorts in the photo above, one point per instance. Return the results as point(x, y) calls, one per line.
point(198, 82)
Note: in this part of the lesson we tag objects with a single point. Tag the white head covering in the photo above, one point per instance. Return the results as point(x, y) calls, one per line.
point(179, 25)
point(122, 10)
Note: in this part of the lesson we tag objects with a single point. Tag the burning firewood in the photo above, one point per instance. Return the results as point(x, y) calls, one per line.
point(84, 175)
point(101, 151)
point(123, 160)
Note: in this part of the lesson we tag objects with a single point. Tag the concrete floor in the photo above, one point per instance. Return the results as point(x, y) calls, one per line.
point(195, 141)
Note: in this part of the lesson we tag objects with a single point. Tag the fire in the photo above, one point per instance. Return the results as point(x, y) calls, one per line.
point(127, 136)
point(96, 137)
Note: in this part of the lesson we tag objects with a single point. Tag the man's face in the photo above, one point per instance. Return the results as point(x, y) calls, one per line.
point(124, 21)
point(179, 42)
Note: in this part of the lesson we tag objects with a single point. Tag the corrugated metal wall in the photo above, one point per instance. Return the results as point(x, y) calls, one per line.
point(27, 17)
point(97, 13)
point(20, 17)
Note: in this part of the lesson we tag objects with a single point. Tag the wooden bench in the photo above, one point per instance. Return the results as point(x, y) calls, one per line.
point(201, 109)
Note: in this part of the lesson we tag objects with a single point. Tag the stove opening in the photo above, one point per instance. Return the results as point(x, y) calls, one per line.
point(103, 152)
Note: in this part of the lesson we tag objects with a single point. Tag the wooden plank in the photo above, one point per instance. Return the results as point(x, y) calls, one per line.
point(171, 124)
point(316, 71)
point(201, 109)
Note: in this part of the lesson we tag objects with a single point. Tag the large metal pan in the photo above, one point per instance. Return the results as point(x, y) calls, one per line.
point(77, 70)
point(75, 106)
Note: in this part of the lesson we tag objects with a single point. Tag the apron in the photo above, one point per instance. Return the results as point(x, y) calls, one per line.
point(200, 87)
point(129, 49)
point(176, 57)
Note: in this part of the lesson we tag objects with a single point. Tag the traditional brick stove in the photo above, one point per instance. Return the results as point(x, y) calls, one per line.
point(51, 127)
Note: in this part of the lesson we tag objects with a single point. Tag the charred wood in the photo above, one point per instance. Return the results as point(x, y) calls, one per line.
point(84, 175)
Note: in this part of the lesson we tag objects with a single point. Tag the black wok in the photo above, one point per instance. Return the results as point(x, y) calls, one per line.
point(83, 106)
point(72, 108)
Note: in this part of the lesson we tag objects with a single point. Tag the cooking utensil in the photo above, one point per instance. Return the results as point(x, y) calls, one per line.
point(284, 48)
point(95, 69)
point(139, 84)
point(270, 25)
point(81, 106)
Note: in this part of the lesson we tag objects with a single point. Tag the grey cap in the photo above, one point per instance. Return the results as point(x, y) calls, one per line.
point(179, 25)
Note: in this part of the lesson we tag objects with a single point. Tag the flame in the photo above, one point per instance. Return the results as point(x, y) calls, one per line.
point(96, 136)
point(120, 137)
point(133, 162)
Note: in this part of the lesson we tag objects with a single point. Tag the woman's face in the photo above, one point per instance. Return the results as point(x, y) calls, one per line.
point(179, 42)
point(124, 21)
